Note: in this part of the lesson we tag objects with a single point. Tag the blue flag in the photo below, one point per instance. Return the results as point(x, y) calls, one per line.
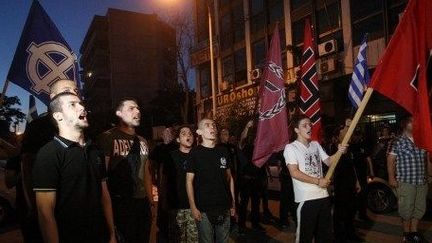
point(360, 77)
point(32, 111)
point(42, 56)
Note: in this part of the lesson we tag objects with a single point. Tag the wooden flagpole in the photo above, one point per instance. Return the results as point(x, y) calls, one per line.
point(350, 131)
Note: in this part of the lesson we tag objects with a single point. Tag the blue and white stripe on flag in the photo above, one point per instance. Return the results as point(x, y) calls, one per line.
point(32, 111)
point(360, 77)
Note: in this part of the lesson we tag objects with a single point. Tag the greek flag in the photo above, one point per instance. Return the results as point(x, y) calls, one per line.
point(32, 112)
point(360, 77)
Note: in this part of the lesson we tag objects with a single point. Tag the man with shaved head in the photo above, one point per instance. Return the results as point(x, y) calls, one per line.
point(37, 133)
point(210, 186)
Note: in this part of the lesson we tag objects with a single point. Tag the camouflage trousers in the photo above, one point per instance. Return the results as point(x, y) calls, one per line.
point(182, 227)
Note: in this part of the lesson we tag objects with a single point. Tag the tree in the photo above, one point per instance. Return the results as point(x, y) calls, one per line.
point(10, 114)
point(181, 21)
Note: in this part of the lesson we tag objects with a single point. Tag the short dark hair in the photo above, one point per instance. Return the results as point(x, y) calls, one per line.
point(121, 102)
point(178, 130)
point(404, 122)
point(297, 119)
point(55, 104)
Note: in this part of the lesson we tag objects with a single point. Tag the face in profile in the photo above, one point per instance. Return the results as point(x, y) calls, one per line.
point(129, 113)
point(73, 113)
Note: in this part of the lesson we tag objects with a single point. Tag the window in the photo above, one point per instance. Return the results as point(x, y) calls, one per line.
point(276, 10)
point(259, 52)
point(228, 70)
point(238, 23)
point(328, 18)
point(364, 8)
point(202, 20)
point(226, 32)
point(367, 17)
point(374, 26)
point(240, 66)
point(298, 31)
point(257, 15)
point(257, 6)
point(394, 13)
point(205, 80)
point(295, 4)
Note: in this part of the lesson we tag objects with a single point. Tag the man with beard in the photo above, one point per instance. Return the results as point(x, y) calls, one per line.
point(182, 227)
point(37, 133)
point(72, 198)
point(210, 186)
point(129, 178)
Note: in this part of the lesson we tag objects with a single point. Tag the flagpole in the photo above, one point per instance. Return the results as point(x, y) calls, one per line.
point(350, 131)
point(3, 94)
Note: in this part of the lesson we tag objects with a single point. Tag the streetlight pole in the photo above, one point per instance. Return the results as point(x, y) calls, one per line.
point(213, 83)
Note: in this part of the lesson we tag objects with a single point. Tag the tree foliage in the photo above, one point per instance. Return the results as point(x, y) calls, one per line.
point(9, 114)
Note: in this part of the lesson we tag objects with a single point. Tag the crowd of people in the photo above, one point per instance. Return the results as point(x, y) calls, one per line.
point(73, 189)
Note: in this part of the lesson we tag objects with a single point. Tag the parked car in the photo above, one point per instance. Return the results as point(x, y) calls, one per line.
point(7, 198)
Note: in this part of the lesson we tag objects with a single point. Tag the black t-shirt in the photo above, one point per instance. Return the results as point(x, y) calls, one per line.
point(125, 170)
point(175, 171)
point(161, 154)
point(211, 185)
point(75, 174)
point(38, 133)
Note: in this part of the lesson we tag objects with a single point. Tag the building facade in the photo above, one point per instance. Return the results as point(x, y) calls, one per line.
point(242, 30)
point(126, 54)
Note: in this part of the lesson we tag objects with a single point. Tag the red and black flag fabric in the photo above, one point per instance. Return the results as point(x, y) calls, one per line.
point(309, 102)
point(401, 74)
point(272, 131)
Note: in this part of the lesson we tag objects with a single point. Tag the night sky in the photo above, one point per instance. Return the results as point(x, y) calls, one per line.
point(72, 17)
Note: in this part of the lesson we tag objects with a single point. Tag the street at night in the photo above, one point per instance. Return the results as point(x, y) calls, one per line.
point(216, 121)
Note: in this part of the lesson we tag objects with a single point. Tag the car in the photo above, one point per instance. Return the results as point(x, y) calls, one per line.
point(7, 199)
point(381, 198)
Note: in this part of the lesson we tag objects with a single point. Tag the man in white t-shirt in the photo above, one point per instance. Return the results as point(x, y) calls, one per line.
point(304, 160)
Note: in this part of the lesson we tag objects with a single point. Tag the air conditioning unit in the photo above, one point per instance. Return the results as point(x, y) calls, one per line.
point(327, 65)
point(327, 47)
point(255, 74)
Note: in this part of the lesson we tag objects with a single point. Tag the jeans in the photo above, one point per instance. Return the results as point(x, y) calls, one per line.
point(209, 233)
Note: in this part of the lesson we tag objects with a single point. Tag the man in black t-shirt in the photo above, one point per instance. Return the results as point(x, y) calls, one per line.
point(72, 197)
point(182, 227)
point(129, 178)
point(37, 133)
point(210, 186)
point(159, 157)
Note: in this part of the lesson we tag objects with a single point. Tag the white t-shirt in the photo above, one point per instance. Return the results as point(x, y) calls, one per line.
point(309, 161)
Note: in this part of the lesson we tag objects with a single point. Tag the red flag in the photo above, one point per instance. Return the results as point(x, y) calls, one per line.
point(309, 102)
point(272, 131)
point(401, 74)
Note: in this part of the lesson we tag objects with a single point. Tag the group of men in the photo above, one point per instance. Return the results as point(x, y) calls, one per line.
point(102, 191)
